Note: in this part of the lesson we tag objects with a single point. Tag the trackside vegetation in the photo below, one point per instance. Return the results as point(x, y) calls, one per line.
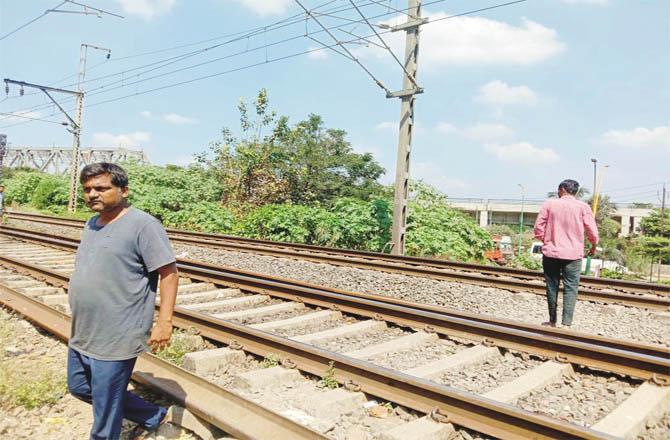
point(300, 183)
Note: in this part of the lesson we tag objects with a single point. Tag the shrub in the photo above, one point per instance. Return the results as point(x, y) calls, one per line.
point(51, 192)
point(20, 187)
point(204, 216)
point(526, 261)
point(434, 228)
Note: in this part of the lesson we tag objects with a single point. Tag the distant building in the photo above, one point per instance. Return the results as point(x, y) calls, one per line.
point(507, 212)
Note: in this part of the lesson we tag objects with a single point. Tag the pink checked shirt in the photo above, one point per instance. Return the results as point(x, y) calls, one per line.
point(560, 225)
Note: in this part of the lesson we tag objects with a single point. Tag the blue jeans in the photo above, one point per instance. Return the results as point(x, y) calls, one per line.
point(104, 384)
point(569, 271)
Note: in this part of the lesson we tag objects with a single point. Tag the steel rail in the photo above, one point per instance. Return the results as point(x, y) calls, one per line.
point(228, 411)
point(487, 416)
point(195, 269)
point(417, 266)
point(644, 301)
point(608, 354)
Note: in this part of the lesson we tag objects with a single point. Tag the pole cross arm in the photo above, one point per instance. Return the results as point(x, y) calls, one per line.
point(43, 88)
point(407, 25)
point(405, 92)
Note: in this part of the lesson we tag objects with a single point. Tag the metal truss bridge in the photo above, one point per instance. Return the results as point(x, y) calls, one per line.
point(58, 160)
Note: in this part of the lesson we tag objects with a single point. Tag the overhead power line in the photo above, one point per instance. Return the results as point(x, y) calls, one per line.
point(31, 21)
point(55, 9)
point(11, 115)
point(257, 64)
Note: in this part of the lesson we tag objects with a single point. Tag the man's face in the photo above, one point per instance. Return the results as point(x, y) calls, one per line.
point(100, 194)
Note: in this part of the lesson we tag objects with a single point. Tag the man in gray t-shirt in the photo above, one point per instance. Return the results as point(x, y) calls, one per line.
point(122, 254)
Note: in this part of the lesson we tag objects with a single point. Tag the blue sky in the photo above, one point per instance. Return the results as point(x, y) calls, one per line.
point(524, 94)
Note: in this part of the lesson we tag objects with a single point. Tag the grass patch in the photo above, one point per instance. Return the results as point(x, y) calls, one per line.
point(271, 360)
point(30, 388)
point(328, 380)
point(181, 343)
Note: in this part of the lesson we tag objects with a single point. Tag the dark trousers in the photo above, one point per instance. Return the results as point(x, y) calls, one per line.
point(569, 271)
point(104, 384)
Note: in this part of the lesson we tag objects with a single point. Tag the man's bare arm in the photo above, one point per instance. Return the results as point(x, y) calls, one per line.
point(162, 330)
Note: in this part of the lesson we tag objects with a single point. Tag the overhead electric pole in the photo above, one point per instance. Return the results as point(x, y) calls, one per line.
point(662, 228)
point(74, 163)
point(407, 96)
point(76, 127)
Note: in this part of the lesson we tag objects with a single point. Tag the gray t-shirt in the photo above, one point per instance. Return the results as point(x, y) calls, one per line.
point(113, 288)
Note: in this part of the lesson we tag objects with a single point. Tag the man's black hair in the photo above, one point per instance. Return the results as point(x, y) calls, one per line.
point(119, 175)
point(570, 186)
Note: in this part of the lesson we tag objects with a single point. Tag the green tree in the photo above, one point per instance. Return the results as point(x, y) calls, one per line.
point(652, 226)
point(273, 162)
point(655, 248)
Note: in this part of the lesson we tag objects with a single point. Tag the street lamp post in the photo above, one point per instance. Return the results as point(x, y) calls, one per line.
point(523, 197)
point(594, 175)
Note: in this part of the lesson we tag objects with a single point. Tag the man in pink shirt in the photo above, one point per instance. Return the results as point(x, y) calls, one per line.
point(560, 225)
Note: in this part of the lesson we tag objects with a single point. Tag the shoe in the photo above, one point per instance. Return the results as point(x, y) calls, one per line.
point(549, 324)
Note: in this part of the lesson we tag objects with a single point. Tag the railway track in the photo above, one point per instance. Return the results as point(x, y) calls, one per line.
point(637, 294)
point(655, 298)
point(308, 327)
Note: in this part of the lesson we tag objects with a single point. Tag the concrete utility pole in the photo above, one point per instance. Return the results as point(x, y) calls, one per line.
point(3, 151)
point(74, 167)
point(661, 226)
point(407, 96)
point(523, 199)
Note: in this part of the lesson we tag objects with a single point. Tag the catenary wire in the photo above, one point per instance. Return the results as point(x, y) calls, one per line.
point(31, 21)
point(277, 59)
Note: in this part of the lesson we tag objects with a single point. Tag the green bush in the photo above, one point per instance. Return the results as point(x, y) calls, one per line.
point(51, 192)
point(204, 216)
point(526, 261)
point(348, 223)
point(285, 222)
point(20, 187)
point(434, 228)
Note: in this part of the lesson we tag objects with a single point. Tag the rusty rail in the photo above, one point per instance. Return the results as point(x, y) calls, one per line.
point(644, 361)
point(417, 266)
point(228, 411)
point(466, 409)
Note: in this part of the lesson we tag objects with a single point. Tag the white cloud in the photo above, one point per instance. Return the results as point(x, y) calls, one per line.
point(522, 153)
point(267, 7)
point(488, 132)
point(387, 125)
point(588, 2)
point(476, 40)
point(316, 53)
point(121, 140)
point(498, 93)
point(445, 128)
point(174, 118)
point(435, 176)
point(147, 114)
point(147, 9)
point(640, 137)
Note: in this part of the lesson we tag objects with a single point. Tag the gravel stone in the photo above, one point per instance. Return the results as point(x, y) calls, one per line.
point(485, 376)
point(403, 360)
point(614, 321)
point(582, 398)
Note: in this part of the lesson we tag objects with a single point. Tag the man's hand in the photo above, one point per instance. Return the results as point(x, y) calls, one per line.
point(592, 251)
point(160, 335)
